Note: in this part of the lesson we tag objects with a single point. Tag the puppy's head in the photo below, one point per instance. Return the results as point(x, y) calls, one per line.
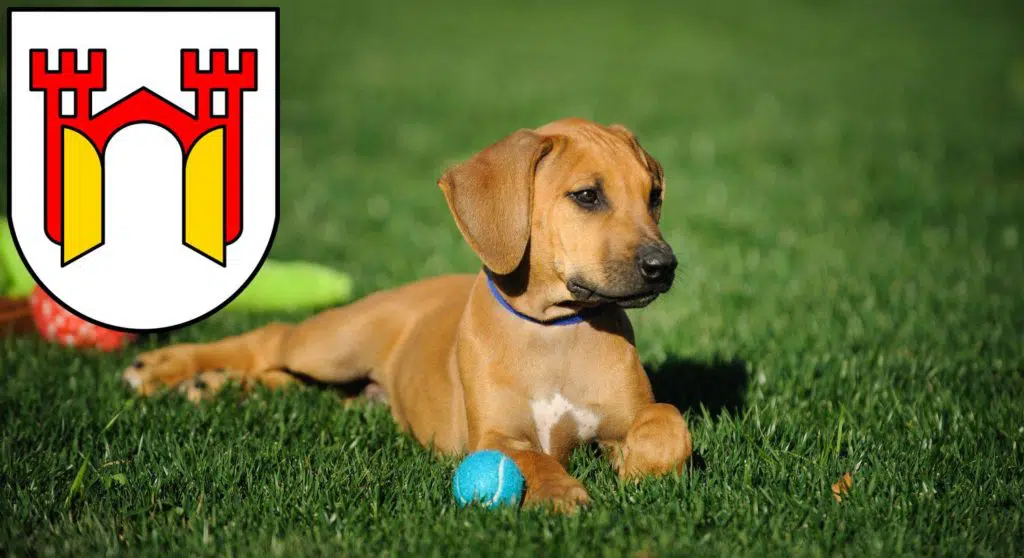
point(574, 203)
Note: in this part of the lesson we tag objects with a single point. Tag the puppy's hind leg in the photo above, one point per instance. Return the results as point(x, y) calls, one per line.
point(247, 354)
point(334, 347)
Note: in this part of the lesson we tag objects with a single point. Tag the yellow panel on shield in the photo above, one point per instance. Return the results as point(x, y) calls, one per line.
point(204, 195)
point(83, 196)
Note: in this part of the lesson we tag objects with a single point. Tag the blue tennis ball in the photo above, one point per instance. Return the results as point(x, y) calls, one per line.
point(489, 478)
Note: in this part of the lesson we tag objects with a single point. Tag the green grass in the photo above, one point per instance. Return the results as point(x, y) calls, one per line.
point(845, 189)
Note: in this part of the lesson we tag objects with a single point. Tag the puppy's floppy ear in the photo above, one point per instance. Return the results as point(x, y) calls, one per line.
point(491, 197)
point(652, 164)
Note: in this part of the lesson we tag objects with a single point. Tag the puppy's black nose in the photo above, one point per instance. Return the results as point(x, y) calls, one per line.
point(657, 263)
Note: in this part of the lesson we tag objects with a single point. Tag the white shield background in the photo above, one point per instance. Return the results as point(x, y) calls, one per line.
point(143, 277)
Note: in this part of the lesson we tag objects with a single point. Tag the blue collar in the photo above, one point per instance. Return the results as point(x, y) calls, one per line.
point(568, 320)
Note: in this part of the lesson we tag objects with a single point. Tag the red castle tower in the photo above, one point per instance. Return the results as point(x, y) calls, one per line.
point(211, 147)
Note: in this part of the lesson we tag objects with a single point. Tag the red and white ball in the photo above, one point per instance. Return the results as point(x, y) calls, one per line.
point(55, 323)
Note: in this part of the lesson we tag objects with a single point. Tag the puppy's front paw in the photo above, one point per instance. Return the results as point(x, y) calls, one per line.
point(658, 443)
point(564, 494)
point(161, 368)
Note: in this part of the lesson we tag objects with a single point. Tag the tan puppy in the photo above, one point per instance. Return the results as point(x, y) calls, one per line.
point(532, 356)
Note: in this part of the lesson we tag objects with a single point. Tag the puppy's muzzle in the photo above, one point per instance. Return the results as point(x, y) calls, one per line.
point(630, 283)
point(656, 263)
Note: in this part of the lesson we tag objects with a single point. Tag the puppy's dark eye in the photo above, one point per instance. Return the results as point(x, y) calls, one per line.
point(587, 198)
point(655, 200)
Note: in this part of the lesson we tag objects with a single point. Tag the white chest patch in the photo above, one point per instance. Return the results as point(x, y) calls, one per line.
point(548, 412)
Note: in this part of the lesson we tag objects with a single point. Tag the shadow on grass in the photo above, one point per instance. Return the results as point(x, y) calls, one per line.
point(689, 384)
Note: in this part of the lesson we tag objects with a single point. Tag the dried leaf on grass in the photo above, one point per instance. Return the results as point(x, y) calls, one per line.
point(841, 487)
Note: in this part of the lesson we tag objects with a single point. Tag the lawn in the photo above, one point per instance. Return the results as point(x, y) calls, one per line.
point(845, 188)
